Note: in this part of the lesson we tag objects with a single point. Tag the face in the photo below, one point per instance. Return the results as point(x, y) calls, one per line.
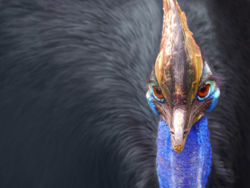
point(182, 87)
point(177, 107)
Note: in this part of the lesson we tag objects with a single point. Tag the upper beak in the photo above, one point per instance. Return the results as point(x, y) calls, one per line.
point(178, 133)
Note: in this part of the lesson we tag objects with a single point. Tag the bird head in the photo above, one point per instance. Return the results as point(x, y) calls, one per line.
point(182, 87)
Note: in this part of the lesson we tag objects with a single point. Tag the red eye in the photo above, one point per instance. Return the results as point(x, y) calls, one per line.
point(157, 92)
point(204, 91)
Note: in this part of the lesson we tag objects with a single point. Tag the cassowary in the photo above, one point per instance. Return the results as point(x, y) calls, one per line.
point(182, 88)
point(73, 80)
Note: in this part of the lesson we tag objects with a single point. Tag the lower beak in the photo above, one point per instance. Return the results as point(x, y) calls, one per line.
point(178, 135)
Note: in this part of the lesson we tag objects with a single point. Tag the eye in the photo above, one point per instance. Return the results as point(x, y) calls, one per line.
point(158, 94)
point(204, 91)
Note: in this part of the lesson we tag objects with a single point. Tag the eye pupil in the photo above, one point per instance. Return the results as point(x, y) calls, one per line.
point(204, 91)
point(158, 93)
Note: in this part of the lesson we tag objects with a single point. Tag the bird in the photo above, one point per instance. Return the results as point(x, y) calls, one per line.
point(182, 89)
point(73, 82)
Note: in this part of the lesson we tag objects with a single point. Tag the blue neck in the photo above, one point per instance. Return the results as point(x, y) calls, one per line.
point(191, 167)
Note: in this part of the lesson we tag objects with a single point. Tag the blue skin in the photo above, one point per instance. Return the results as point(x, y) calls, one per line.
point(191, 167)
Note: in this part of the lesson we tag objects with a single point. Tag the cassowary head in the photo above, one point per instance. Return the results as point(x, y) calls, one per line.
point(182, 87)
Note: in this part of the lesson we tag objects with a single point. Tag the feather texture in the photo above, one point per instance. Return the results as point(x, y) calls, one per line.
point(73, 78)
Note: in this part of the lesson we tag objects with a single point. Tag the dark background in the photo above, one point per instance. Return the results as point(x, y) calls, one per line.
point(73, 79)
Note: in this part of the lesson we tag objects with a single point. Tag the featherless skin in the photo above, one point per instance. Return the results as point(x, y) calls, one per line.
point(73, 78)
point(191, 167)
point(181, 90)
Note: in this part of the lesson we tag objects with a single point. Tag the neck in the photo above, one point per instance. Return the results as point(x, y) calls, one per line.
point(191, 167)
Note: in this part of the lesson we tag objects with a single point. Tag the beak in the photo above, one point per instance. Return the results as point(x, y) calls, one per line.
point(178, 133)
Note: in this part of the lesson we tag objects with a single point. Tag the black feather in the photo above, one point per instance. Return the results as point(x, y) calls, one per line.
point(73, 79)
point(72, 90)
point(222, 30)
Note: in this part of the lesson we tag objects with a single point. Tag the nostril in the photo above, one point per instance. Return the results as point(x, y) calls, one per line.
point(185, 133)
point(172, 132)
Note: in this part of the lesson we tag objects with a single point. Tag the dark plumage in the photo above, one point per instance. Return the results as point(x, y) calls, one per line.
point(221, 29)
point(73, 79)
